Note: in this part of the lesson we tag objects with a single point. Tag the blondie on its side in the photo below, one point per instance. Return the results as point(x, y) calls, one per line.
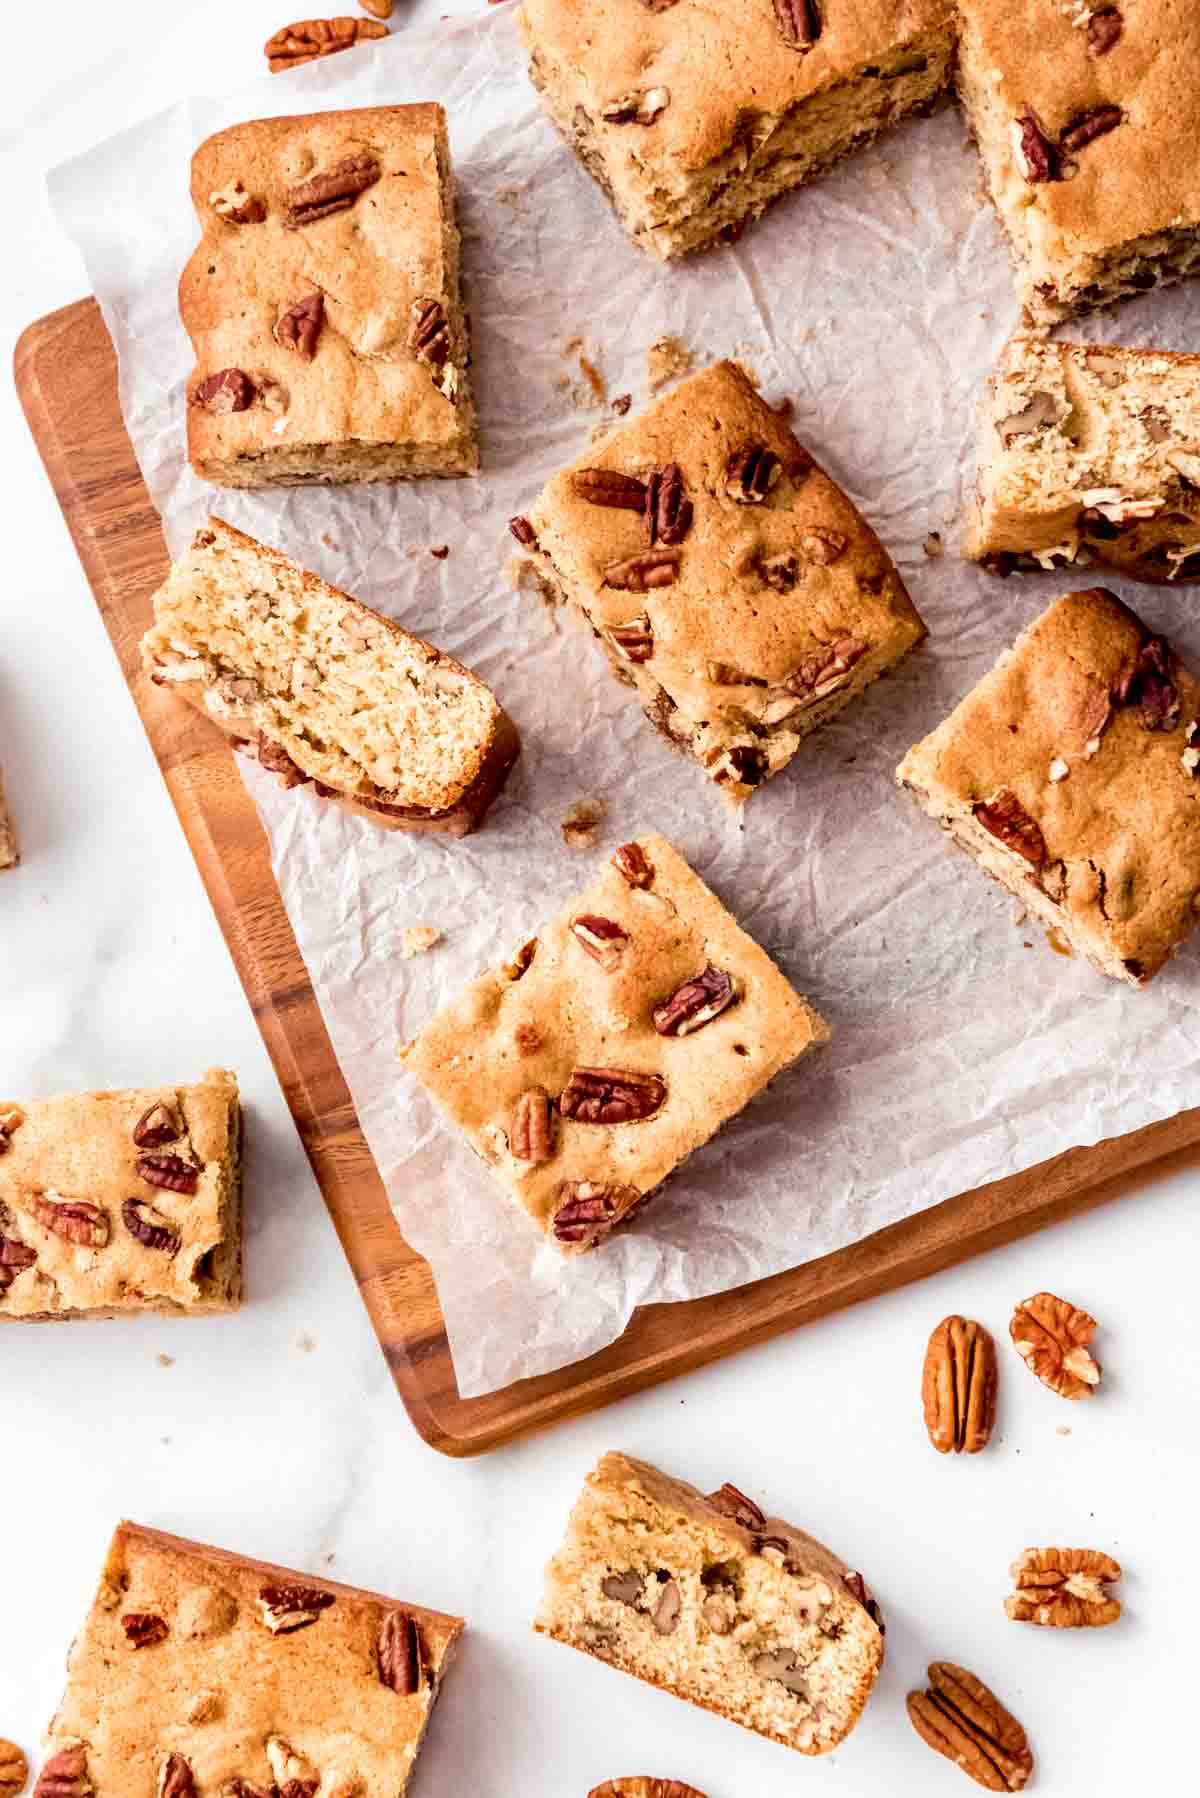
point(321, 688)
point(1069, 773)
point(323, 302)
point(115, 1202)
point(636, 1023)
point(731, 583)
point(714, 1602)
point(692, 118)
point(10, 853)
point(1090, 454)
point(1088, 121)
point(201, 1672)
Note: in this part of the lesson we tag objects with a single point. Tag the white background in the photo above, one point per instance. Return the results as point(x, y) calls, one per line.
point(278, 1431)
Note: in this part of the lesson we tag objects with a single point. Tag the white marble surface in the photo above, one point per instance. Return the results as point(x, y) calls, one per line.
point(278, 1431)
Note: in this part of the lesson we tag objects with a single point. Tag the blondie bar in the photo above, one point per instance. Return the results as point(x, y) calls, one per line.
point(618, 1040)
point(1088, 454)
point(1069, 773)
point(731, 583)
point(692, 118)
point(322, 689)
point(323, 302)
point(201, 1672)
point(10, 853)
point(115, 1202)
point(708, 1598)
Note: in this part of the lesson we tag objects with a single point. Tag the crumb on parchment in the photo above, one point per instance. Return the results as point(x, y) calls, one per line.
point(418, 939)
point(666, 359)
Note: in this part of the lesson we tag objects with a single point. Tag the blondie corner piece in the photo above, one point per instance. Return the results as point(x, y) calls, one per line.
point(616, 1042)
point(1088, 121)
point(322, 689)
point(692, 118)
point(10, 853)
point(1069, 773)
point(323, 302)
point(707, 1598)
point(1090, 454)
point(732, 584)
point(201, 1672)
point(118, 1202)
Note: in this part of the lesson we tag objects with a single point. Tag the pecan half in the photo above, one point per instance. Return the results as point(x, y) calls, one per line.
point(429, 333)
point(14, 1769)
point(1063, 1588)
point(531, 1136)
point(668, 508)
point(608, 487)
point(149, 1227)
point(799, 23)
point(750, 474)
point(631, 861)
point(633, 640)
point(333, 190)
point(731, 1503)
point(641, 106)
point(229, 390)
point(299, 326)
point(1036, 156)
point(74, 1220)
point(611, 1096)
point(1052, 1336)
point(645, 1787)
point(641, 573)
point(401, 1658)
point(144, 1628)
point(604, 940)
point(523, 531)
point(65, 1775)
point(236, 206)
point(157, 1125)
point(310, 38)
point(1148, 684)
point(822, 670)
point(1006, 819)
point(696, 1003)
point(170, 1172)
point(958, 1386)
point(1103, 30)
point(285, 1608)
point(586, 1210)
point(176, 1779)
point(1085, 129)
point(961, 1718)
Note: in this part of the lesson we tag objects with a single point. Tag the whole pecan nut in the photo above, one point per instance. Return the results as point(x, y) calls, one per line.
point(696, 1003)
point(731, 1502)
point(750, 474)
point(1064, 1588)
point(14, 1769)
point(958, 1386)
point(401, 1656)
point(311, 38)
point(170, 1172)
point(1005, 818)
point(631, 861)
point(668, 508)
point(611, 1096)
point(1052, 1337)
point(157, 1125)
point(288, 1607)
point(602, 938)
point(144, 1628)
point(531, 1136)
point(645, 1787)
point(961, 1718)
point(298, 327)
point(587, 1210)
point(608, 487)
point(799, 23)
point(65, 1775)
point(73, 1220)
point(229, 390)
point(176, 1779)
point(149, 1227)
point(333, 190)
point(642, 573)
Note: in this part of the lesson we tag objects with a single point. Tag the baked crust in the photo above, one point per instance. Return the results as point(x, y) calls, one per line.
point(366, 404)
point(10, 853)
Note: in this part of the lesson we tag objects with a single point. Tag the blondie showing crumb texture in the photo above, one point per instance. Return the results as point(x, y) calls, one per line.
point(618, 1040)
point(731, 583)
point(323, 302)
point(1090, 454)
point(113, 1202)
point(692, 118)
point(716, 1603)
point(1069, 773)
point(10, 853)
point(322, 689)
point(1088, 120)
point(201, 1672)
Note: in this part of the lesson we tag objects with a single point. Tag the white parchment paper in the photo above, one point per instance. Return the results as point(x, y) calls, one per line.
point(963, 1049)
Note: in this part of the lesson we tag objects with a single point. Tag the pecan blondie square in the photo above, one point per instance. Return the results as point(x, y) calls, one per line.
point(202, 1672)
point(636, 1023)
point(731, 583)
point(708, 1598)
point(118, 1202)
point(1069, 773)
point(693, 117)
point(1090, 453)
point(323, 302)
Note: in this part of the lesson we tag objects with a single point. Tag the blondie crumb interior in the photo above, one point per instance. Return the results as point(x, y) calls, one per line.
point(617, 1041)
point(1070, 775)
point(1090, 454)
point(709, 1599)
point(198, 1671)
point(731, 583)
point(323, 302)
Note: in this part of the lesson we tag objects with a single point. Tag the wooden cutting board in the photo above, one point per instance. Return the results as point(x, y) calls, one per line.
point(67, 378)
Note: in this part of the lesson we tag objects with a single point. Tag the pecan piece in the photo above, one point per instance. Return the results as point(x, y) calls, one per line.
point(401, 1658)
point(630, 860)
point(1006, 819)
point(799, 23)
point(607, 487)
point(275, 759)
point(1052, 1336)
point(144, 1628)
point(298, 327)
point(157, 1125)
point(586, 1210)
point(295, 1777)
point(14, 1769)
point(611, 1096)
point(15, 1257)
point(732, 1503)
point(1149, 686)
point(176, 1779)
point(782, 1664)
point(149, 1227)
point(1036, 155)
point(11, 1119)
point(604, 940)
point(1039, 413)
point(958, 1386)
point(750, 474)
point(696, 1003)
point(641, 106)
point(824, 547)
point(333, 190)
point(862, 1594)
point(310, 38)
point(523, 531)
point(1085, 129)
point(780, 572)
point(665, 1615)
point(65, 1775)
point(531, 1137)
point(236, 206)
point(825, 668)
point(429, 333)
point(74, 1220)
point(668, 508)
point(639, 574)
point(645, 1787)
point(961, 1718)
point(1103, 30)
point(521, 961)
point(170, 1172)
point(623, 1588)
point(1063, 1588)
point(633, 640)
point(285, 1608)
point(229, 390)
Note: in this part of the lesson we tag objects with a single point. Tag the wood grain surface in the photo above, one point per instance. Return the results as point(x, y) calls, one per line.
point(66, 375)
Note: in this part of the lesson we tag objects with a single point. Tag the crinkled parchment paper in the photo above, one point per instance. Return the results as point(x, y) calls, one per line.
point(963, 1049)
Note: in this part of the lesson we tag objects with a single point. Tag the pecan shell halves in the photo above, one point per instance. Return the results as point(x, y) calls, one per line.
point(1064, 1588)
point(696, 1003)
point(1052, 1337)
point(961, 1718)
point(401, 1657)
point(958, 1386)
point(611, 1096)
point(73, 1220)
point(333, 190)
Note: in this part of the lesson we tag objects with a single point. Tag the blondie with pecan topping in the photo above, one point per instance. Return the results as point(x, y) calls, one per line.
point(115, 1202)
point(636, 1023)
point(1069, 773)
point(323, 302)
point(731, 583)
point(202, 1672)
point(711, 1600)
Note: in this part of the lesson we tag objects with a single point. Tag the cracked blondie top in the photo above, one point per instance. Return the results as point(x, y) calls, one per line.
point(1070, 774)
point(323, 302)
point(731, 583)
point(1088, 118)
point(201, 1672)
point(112, 1202)
point(637, 1022)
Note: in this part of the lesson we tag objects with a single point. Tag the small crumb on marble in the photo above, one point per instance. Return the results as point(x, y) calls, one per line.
point(440, 551)
point(306, 1343)
point(1064, 1429)
point(581, 824)
point(330, 542)
point(418, 939)
point(933, 544)
point(666, 359)
point(165, 1360)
